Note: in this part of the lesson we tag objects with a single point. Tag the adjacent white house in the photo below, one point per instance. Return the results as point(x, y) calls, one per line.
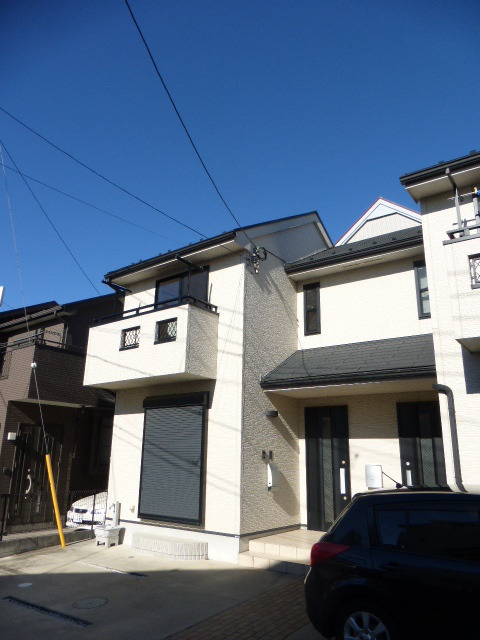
point(259, 372)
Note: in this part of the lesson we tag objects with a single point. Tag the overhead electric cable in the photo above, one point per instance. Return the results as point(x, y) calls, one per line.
point(100, 175)
point(187, 131)
point(45, 442)
point(179, 116)
point(49, 219)
point(89, 204)
point(48, 459)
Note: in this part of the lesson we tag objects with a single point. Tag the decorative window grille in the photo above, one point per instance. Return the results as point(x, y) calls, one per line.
point(130, 338)
point(166, 331)
point(475, 270)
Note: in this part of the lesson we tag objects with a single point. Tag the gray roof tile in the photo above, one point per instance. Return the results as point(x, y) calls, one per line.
point(395, 358)
point(370, 246)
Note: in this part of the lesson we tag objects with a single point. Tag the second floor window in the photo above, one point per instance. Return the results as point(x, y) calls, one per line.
point(171, 290)
point(311, 305)
point(423, 297)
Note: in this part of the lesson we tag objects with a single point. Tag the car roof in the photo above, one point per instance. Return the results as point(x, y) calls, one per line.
point(414, 496)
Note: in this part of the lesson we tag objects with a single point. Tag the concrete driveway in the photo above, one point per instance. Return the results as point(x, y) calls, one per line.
point(88, 591)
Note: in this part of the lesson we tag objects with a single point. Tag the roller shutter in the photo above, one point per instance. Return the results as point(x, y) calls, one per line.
point(171, 484)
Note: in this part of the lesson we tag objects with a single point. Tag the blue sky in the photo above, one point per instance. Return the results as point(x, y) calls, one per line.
point(295, 106)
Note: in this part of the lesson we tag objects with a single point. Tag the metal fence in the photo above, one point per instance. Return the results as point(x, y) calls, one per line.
point(87, 509)
point(4, 497)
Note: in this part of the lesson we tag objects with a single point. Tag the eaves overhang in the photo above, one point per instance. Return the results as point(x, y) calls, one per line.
point(414, 240)
point(224, 241)
point(367, 376)
point(463, 172)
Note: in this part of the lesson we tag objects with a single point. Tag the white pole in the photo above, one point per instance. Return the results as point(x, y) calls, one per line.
point(2, 291)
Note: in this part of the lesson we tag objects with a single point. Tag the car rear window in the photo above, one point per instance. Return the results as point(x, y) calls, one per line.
point(448, 532)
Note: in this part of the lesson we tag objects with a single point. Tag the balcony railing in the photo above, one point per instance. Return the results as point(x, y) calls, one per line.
point(468, 228)
point(157, 343)
point(156, 306)
point(45, 337)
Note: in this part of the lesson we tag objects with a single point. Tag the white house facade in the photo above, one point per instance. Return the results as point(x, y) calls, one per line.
point(258, 374)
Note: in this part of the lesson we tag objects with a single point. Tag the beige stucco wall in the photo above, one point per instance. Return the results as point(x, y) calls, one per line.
point(270, 337)
point(373, 436)
point(453, 302)
point(367, 303)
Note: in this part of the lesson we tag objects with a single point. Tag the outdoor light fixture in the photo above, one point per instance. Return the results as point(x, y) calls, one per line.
point(271, 413)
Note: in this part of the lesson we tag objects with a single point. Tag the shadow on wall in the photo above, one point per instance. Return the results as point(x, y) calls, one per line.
point(285, 497)
point(471, 367)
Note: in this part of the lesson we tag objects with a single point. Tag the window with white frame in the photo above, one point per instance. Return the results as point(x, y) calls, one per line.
point(423, 296)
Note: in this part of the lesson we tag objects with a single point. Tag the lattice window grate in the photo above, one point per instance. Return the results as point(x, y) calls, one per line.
point(130, 338)
point(475, 271)
point(166, 331)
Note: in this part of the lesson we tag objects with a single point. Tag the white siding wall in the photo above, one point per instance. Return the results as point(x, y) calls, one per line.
point(222, 511)
point(385, 224)
point(373, 435)
point(456, 367)
point(369, 303)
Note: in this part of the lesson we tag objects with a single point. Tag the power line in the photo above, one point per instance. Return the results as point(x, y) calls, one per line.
point(100, 175)
point(48, 218)
point(34, 368)
point(89, 204)
point(187, 131)
point(120, 188)
point(180, 117)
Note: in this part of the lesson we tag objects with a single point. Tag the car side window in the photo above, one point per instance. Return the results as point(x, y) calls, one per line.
point(446, 532)
point(451, 533)
point(392, 527)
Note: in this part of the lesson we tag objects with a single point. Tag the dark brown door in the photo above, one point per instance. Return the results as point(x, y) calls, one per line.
point(328, 465)
point(31, 501)
point(421, 444)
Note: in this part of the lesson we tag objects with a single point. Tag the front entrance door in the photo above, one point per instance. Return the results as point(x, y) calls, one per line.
point(421, 444)
point(31, 500)
point(328, 466)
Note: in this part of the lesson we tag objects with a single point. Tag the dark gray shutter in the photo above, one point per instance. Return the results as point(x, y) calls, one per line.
point(171, 480)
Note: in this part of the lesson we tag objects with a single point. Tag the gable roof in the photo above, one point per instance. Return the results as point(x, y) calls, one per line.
point(228, 237)
point(369, 247)
point(379, 209)
point(390, 359)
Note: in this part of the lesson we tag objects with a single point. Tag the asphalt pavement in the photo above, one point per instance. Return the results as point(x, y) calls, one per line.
point(88, 591)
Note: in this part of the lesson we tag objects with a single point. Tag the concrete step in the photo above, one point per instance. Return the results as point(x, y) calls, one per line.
point(276, 549)
point(173, 548)
point(281, 564)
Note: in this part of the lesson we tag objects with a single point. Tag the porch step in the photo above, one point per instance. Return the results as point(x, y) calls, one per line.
point(172, 548)
point(281, 564)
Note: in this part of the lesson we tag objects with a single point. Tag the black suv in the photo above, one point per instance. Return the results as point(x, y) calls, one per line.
point(399, 564)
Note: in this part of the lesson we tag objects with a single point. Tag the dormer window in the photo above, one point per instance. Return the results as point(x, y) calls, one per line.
point(423, 297)
point(311, 305)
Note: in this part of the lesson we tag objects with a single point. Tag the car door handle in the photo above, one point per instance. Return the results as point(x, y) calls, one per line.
point(392, 566)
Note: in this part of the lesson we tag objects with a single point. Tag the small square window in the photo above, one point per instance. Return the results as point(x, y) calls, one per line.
point(474, 262)
point(166, 331)
point(130, 338)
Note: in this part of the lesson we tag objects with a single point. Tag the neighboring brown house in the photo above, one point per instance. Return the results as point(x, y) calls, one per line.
point(78, 419)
